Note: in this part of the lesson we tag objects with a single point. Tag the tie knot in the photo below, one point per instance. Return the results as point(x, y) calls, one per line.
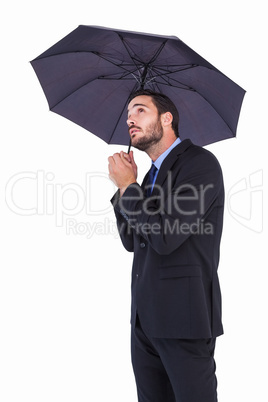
point(152, 173)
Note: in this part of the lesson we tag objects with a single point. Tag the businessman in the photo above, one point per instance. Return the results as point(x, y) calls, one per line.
point(173, 223)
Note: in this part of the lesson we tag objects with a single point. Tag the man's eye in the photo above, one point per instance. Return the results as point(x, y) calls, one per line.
point(141, 110)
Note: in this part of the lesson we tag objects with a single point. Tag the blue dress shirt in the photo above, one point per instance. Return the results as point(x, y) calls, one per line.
point(161, 158)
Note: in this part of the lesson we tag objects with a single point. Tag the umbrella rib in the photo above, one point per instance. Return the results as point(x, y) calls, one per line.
point(127, 72)
point(177, 65)
point(158, 52)
point(77, 89)
point(132, 58)
point(166, 81)
point(165, 71)
point(160, 72)
point(122, 77)
point(121, 65)
point(127, 49)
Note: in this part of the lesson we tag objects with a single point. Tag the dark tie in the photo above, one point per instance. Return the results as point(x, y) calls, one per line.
point(152, 173)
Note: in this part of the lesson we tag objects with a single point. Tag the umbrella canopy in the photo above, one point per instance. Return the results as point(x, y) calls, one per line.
point(89, 75)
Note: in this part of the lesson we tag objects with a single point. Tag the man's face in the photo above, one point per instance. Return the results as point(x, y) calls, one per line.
point(145, 128)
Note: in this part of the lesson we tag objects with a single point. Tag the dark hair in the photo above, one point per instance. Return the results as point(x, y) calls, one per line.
point(163, 105)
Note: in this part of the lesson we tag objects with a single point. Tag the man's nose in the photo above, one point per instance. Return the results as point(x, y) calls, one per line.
point(130, 121)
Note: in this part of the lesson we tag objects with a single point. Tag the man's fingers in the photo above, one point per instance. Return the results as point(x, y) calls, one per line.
point(117, 161)
point(114, 159)
point(120, 161)
point(111, 160)
point(125, 156)
point(131, 156)
point(122, 156)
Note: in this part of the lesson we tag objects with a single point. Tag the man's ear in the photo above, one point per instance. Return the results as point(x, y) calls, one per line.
point(166, 119)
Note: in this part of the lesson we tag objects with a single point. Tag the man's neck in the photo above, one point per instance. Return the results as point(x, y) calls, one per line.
point(158, 149)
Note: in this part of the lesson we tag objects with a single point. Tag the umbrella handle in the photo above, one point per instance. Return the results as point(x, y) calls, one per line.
point(129, 146)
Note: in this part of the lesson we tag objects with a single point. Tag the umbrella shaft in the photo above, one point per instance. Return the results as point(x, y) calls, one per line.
point(143, 77)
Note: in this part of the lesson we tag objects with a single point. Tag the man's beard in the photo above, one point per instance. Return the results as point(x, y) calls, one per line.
point(153, 135)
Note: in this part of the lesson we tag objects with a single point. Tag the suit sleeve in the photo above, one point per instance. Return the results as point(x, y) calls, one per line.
point(169, 217)
point(124, 229)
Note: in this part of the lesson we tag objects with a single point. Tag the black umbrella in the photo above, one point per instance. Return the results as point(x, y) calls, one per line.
point(89, 75)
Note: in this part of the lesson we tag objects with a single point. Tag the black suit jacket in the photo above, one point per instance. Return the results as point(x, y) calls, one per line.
point(175, 235)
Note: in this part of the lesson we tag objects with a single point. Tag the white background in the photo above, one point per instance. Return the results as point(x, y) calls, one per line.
point(65, 294)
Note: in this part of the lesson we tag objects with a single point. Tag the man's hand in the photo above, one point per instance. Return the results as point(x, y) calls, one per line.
point(122, 170)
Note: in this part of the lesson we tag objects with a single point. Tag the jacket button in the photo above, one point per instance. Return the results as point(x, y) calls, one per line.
point(142, 245)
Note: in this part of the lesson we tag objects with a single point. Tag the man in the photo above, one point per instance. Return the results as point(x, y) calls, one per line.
point(173, 225)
